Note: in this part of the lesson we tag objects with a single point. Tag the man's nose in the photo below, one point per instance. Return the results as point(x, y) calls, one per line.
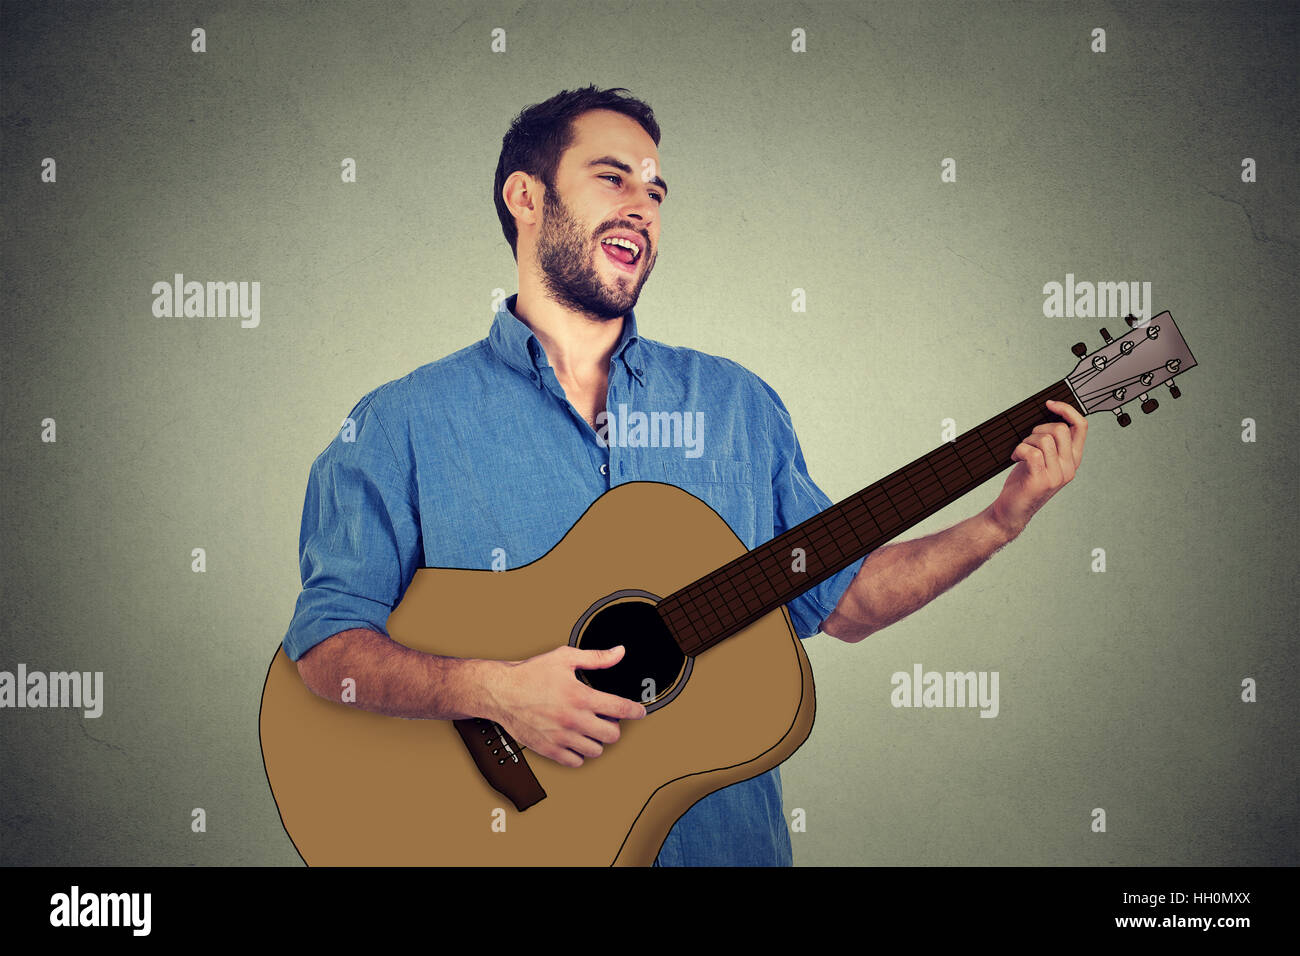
point(643, 208)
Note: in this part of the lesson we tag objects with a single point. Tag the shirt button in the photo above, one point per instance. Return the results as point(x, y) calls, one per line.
point(604, 469)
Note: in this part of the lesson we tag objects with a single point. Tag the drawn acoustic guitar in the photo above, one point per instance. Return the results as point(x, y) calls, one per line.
point(710, 650)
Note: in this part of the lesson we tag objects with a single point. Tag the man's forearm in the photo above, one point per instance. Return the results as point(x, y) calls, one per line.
point(395, 680)
point(900, 578)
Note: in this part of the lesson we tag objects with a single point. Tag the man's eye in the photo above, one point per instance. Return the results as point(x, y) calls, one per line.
point(619, 179)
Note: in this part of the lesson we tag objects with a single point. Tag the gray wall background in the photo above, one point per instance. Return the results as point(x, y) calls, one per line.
point(817, 170)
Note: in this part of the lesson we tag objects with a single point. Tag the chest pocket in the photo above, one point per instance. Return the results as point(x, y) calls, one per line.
point(725, 486)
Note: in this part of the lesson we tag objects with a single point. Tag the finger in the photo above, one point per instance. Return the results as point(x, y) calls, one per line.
point(611, 705)
point(1060, 433)
point(1031, 456)
point(1078, 423)
point(1051, 456)
point(582, 745)
point(599, 660)
point(601, 729)
point(561, 755)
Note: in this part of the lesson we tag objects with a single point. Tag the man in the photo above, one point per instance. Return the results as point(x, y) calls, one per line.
point(492, 453)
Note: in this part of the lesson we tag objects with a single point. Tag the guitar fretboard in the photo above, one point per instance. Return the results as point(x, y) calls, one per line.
point(736, 595)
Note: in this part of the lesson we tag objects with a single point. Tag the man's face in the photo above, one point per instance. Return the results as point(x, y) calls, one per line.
point(593, 200)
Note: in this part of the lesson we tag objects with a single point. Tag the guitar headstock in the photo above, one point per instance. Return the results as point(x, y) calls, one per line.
point(1125, 369)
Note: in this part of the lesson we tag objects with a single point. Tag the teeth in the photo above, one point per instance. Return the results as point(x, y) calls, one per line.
point(624, 243)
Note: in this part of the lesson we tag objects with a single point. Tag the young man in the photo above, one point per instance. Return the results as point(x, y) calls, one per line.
point(495, 451)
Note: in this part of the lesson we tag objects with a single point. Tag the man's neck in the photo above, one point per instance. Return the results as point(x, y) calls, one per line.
point(577, 346)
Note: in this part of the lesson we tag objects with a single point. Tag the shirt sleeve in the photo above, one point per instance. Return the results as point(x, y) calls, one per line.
point(795, 499)
point(360, 541)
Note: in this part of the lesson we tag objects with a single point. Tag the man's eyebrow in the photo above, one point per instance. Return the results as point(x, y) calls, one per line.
point(611, 161)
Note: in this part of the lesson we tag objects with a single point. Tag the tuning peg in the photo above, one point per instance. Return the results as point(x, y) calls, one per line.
point(1173, 390)
point(1106, 335)
point(1121, 416)
point(1149, 405)
point(1133, 321)
point(1079, 349)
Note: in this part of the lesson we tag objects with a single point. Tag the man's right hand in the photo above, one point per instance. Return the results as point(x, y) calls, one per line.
point(544, 706)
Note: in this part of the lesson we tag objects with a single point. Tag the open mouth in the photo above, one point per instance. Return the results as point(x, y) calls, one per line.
point(623, 253)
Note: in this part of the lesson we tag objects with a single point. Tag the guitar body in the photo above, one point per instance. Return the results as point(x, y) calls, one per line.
point(357, 788)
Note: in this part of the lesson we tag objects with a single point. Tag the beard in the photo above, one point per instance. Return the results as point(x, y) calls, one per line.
point(569, 275)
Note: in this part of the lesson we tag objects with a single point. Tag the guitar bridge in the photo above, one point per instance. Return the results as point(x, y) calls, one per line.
point(500, 760)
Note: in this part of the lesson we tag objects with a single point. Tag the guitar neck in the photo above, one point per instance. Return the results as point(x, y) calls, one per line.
point(727, 600)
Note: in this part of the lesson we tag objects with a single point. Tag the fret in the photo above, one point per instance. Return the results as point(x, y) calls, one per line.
point(900, 493)
point(840, 527)
point(954, 467)
point(879, 502)
point(929, 492)
point(940, 487)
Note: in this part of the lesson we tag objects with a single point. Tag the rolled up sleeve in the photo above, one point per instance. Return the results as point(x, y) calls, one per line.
point(360, 540)
point(796, 498)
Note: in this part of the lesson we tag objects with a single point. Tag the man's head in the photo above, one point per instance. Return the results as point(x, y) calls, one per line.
point(581, 168)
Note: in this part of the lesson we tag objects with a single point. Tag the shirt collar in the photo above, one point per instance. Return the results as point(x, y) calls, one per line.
point(517, 345)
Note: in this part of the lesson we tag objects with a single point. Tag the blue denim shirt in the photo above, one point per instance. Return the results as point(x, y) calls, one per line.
point(446, 466)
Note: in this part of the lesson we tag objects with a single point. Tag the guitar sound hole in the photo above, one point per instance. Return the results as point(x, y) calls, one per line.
point(653, 668)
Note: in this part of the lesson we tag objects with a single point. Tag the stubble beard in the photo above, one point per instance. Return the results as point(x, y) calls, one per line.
point(564, 255)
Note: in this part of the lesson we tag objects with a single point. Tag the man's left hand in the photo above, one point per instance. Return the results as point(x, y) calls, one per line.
point(1046, 462)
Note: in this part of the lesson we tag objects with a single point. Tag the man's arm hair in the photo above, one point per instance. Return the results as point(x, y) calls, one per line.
point(395, 680)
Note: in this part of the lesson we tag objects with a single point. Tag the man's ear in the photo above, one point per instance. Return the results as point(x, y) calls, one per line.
point(523, 197)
